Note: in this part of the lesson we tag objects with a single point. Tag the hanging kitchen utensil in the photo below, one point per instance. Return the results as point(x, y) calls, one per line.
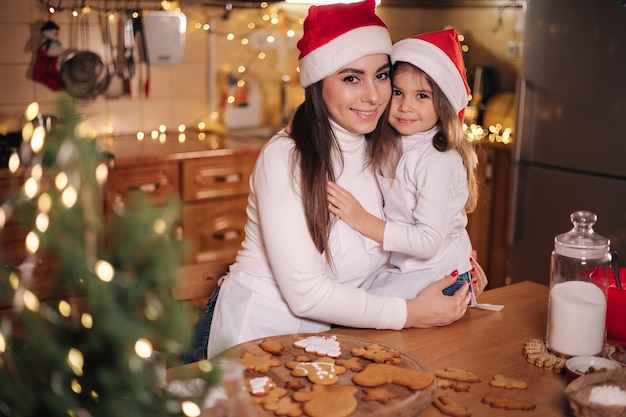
point(143, 50)
point(129, 58)
point(83, 73)
point(116, 85)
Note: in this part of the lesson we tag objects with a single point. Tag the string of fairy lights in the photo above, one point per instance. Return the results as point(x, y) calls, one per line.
point(261, 34)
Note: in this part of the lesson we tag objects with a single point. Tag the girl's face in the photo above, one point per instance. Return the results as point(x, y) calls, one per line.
point(356, 95)
point(412, 108)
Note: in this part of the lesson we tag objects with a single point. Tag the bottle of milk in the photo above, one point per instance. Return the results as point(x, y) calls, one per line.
point(578, 295)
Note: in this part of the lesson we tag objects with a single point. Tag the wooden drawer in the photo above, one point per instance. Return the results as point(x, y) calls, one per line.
point(198, 281)
point(156, 181)
point(215, 229)
point(220, 176)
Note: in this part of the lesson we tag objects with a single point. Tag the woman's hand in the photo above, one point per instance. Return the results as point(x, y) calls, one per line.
point(479, 279)
point(430, 308)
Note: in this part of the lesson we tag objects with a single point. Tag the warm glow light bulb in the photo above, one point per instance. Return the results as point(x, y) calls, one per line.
point(14, 162)
point(104, 271)
point(60, 181)
point(44, 203)
point(36, 171)
point(76, 361)
point(42, 221)
point(27, 131)
point(190, 408)
point(31, 301)
point(32, 242)
point(86, 320)
point(65, 308)
point(32, 110)
point(69, 197)
point(102, 173)
point(143, 348)
point(159, 226)
point(31, 187)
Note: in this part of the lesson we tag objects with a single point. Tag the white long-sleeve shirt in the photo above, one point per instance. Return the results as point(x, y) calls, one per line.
point(280, 283)
point(426, 220)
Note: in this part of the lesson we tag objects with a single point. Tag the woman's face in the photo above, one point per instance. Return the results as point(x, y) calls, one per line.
point(356, 95)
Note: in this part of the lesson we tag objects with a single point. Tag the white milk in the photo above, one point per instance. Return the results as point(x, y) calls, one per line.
point(576, 319)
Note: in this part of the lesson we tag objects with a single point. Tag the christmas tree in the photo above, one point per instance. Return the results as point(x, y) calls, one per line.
point(88, 353)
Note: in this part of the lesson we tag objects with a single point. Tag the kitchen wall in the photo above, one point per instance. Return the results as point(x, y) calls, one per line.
point(189, 92)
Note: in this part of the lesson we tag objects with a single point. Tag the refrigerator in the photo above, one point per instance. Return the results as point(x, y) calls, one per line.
point(570, 137)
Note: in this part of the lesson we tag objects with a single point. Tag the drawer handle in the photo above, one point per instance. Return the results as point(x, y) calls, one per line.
point(228, 234)
point(230, 178)
point(145, 188)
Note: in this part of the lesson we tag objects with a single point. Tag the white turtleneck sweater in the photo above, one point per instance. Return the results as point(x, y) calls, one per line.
point(426, 220)
point(280, 283)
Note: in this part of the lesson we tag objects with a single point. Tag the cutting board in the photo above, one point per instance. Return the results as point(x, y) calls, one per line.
point(409, 403)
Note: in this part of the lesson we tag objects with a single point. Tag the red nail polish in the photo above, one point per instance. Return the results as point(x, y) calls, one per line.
point(473, 269)
point(474, 281)
point(455, 273)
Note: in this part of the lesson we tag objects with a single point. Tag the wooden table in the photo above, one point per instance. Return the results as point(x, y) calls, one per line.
point(486, 343)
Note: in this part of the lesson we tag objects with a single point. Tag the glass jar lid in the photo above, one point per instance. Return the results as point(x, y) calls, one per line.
point(582, 242)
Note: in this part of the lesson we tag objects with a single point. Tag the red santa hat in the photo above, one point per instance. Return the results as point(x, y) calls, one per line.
point(338, 34)
point(439, 55)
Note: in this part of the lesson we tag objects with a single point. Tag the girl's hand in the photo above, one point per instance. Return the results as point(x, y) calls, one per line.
point(478, 276)
point(430, 308)
point(342, 204)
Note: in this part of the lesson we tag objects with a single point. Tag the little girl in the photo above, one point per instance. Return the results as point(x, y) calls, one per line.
point(428, 180)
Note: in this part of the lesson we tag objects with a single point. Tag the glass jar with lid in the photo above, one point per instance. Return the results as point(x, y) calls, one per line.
point(578, 298)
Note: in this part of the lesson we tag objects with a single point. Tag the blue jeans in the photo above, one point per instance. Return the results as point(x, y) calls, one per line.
point(460, 280)
point(196, 349)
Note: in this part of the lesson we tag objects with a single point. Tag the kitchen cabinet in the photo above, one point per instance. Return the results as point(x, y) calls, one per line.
point(208, 173)
point(487, 224)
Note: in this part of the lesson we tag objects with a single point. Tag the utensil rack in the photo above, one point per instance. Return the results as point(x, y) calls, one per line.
point(54, 6)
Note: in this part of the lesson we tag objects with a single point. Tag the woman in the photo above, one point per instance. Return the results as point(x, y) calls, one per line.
point(299, 269)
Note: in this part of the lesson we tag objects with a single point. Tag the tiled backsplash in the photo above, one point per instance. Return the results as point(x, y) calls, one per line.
point(180, 94)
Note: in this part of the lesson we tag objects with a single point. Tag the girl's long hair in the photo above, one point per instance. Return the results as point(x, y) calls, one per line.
point(315, 145)
point(384, 154)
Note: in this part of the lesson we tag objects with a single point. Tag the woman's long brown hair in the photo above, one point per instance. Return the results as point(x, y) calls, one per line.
point(315, 146)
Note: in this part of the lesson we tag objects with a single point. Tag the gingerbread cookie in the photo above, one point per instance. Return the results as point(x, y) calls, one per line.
point(506, 403)
point(353, 364)
point(320, 345)
point(450, 407)
point(455, 385)
point(328, 400)
point(382, 395)
point(323, 371)
point(284, 407)
point(259, 363)
point(377, 374)
point(457, 374)
point(273, 346)
point(500, 381)
point(378, 354)
point(261, 385)
point(272, 396)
